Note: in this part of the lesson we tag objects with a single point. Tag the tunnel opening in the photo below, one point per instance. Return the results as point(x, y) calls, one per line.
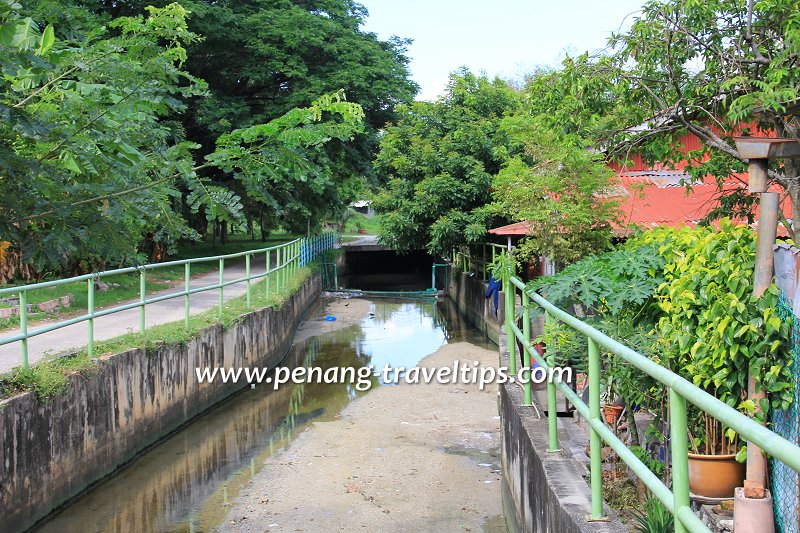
point(385, 270)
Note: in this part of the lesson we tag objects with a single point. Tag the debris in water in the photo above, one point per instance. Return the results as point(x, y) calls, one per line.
point(330, 318)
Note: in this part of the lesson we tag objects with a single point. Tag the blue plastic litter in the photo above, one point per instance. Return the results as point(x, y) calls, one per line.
point(330, 318)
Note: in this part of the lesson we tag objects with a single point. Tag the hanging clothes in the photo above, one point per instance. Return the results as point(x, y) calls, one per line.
point(494, 290)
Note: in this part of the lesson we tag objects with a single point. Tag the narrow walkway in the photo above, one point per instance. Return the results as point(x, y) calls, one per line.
point(114, 325)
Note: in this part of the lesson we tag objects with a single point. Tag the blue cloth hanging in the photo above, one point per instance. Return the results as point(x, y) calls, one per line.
point(494, 289)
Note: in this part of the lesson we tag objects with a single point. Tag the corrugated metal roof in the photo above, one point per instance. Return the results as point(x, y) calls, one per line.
point(518, 228)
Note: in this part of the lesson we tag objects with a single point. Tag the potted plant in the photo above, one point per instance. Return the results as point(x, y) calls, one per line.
point(715, 333)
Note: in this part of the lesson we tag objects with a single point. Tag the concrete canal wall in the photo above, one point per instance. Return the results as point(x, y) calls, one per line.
point(469, 294)
point(52, 450)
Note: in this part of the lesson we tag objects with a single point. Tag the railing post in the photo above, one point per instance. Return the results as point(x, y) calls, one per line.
point(221, 281)
point(595, 455)
point(679, 450)
point(509, 290)
point(187, 276)
point(247, 275)
point(266, 290)
point(484, 261)
point(90, 298)
point(552, 410)
point(142, 297)
point(526, 355)
point(278, 269)
point(23, 326)
point(433, 277)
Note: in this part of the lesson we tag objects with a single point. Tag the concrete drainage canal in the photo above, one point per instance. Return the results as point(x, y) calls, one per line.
point(327, 456)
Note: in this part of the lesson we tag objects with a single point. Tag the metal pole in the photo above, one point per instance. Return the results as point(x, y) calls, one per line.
point(142, 297)
point(23, 326)
point(269, 274)
point(526, 355)
point(90, 297)
point(187, 274)
point(509, 290)
point(767, 232)
point(221, 281)
point(679, 450)
point(765, 262)
point(433, 277)
point(247, 275)
point(279, 269)
point(552, 410)
point(595, 457)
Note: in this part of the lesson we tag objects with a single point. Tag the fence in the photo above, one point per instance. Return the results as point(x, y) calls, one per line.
point(680, 391)
point(466, 260)
point(281, 262)
point(785, 482)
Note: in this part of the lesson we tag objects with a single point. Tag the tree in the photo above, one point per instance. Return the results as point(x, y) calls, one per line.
point(91, 164)
point(85, 119)
point(714, 69)
point(439, 160)
point(283, 55)
point(554, 182)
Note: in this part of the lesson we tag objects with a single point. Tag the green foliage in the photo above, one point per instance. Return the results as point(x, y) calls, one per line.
point(85, 120)
point(439, 159)
point(714, 69)
point(655, 519)
point(556, 185)
point(624, 279)
point(683, 297)
point(654, 465)
point(714, 331)
point(106, 115)
point(283, 162)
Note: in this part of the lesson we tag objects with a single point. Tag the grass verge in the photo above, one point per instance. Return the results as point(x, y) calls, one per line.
point(49, 378)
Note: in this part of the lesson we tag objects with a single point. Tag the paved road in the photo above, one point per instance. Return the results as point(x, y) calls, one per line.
point(110, 326)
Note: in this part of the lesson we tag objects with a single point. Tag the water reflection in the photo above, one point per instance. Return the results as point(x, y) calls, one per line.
point(185, 483)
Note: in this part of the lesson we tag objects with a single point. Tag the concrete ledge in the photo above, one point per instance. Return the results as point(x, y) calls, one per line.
point(51, 451)
point(543, 492)
point(469, 294)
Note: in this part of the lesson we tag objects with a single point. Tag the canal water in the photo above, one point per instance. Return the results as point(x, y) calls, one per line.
point(185, 483)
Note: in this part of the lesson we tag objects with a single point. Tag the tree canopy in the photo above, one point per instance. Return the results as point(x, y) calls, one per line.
point(483, 155)
point(440, 158)
point(113, 142)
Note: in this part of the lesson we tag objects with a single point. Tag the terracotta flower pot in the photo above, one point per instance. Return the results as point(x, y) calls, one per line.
point(715, 476)
point(611, 413)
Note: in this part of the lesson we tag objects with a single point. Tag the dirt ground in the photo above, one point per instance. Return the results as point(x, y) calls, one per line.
point(404, 458)
point(348, 311)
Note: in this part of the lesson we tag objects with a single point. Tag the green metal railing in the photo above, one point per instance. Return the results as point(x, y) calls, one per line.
point(680, 391)
point(465, 260)
point(281, 262)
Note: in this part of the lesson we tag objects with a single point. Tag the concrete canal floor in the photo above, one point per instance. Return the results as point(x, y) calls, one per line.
point(403, 458)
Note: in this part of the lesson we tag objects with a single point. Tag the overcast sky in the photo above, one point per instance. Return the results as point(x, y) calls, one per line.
point(501, 37)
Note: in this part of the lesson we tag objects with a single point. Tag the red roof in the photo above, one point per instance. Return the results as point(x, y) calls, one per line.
point(660, 198)
point(656, 195)
point(518, 228)
point(652, 198)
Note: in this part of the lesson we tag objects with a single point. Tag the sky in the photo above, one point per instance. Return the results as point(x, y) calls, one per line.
point(506, 38)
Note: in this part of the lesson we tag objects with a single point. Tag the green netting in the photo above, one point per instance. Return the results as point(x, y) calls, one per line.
point(785, 482)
